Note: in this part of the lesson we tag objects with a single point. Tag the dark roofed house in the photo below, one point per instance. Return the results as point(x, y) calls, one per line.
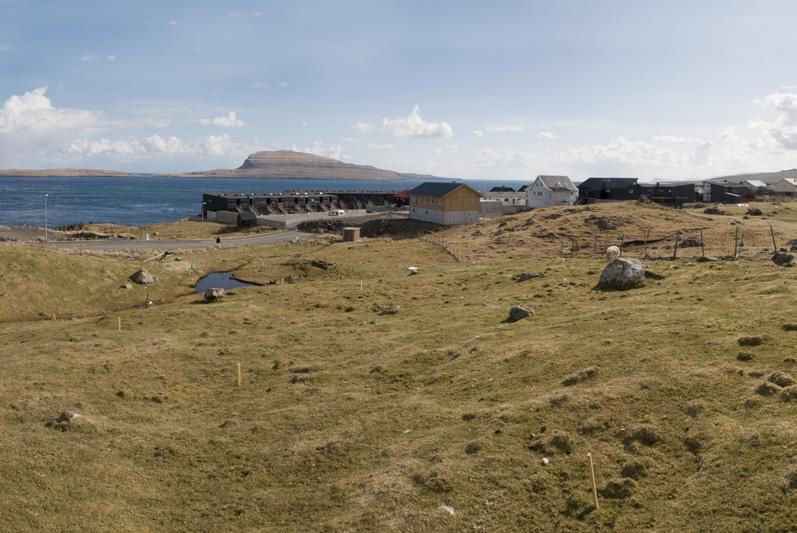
point(447, 203)
point(502, 188)
point(607, 189)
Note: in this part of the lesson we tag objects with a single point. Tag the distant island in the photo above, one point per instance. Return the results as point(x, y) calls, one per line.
point(279, 164)
point(61, 172)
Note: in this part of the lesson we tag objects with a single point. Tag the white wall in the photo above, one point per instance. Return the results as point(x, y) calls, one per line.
point(541, 196)
point(450, 218)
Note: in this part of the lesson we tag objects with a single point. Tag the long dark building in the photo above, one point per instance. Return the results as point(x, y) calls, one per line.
point(297, 202)
point(593, 189)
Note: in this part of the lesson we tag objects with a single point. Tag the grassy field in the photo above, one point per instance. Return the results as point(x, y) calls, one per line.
point(437, 417)
point(178, 229)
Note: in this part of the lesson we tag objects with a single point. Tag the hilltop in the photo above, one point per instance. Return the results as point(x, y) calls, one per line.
point(435, 414)
point(287, 164)
point(767, 177)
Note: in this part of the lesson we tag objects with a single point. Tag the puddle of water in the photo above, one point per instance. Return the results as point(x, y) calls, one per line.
point(220, 280)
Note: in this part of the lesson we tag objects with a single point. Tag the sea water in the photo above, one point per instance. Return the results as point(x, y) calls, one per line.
point(149, 199)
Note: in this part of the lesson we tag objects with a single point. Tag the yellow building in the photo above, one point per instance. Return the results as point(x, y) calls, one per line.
point(444, 203)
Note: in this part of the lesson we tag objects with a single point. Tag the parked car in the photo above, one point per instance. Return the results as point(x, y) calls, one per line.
point(336, 212)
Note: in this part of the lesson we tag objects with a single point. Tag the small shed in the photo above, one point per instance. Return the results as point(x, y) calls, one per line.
point(351, 234)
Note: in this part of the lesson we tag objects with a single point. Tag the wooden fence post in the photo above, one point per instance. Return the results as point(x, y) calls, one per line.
point(592, 479)
point(736, 243)
point(675, 248)
point(774, 246)
point(702, 245)
point(645, 252)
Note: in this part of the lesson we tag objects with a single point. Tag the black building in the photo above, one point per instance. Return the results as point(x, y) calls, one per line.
point(605, 189)
point(671, 194)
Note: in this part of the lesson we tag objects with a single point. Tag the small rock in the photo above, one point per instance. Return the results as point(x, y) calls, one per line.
point(767, 389)
point(525, 276)
point(750, 341)
point(780, 379)
point(789, 393)
point(578, 377)
point(126, 285)
point(754, 212)
point(783, 258)
point(213, 294)
point(545, 461)
point(142, 277)
point(519, 312)
point(389, 309)
point(448, 509)
point(744, 356)
point(790, 327)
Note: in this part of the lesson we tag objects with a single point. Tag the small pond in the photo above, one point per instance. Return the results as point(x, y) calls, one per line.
point(220, 280)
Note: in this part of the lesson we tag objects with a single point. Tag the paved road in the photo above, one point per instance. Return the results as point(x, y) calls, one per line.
point(126, 244)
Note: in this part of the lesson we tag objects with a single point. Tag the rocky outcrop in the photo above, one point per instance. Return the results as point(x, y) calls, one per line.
point(213, 294)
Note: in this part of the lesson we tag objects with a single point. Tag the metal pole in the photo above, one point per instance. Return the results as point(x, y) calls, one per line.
point(45, 218)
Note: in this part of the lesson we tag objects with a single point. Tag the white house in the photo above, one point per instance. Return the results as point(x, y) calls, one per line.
point(551, 190)
point(786, 187)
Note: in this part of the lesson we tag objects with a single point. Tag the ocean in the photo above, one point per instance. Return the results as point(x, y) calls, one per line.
point(147, 200)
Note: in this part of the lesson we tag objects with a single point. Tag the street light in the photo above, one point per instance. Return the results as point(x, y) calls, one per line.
point(45, 217)
point(203, 218)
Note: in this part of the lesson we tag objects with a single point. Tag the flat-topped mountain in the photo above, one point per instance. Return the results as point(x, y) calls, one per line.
point(287, 164)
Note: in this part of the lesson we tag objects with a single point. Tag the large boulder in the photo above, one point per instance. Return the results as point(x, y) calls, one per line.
point(622, 274)
point(782, 258)
point(142, 277)
point(214, 294)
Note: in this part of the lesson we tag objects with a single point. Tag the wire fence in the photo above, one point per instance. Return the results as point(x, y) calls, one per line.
point(454, 251)
point(733, 243)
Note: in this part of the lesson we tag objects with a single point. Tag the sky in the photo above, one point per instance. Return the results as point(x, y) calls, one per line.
point(466, 88)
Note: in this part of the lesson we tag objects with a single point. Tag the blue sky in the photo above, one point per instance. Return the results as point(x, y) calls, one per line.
point(502, 89)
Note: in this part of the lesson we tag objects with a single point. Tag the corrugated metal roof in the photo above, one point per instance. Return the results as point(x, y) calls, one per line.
point(756, 183)
point(434, 188)
point(558, 183)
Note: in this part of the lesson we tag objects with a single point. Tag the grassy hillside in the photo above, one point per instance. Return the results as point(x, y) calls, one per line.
point(350, 419)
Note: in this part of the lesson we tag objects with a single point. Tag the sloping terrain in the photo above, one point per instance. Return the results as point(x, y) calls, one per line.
point(435, 415)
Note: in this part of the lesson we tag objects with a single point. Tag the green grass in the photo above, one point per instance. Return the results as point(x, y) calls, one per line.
point(351, 420)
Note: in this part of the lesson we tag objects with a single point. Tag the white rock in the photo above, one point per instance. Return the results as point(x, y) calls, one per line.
point(545, 461)
point(448, 509)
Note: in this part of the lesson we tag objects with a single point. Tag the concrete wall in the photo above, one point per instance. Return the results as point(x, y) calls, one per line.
point(289, 221)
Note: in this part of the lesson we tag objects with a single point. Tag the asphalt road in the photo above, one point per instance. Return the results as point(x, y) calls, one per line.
point(126, 244)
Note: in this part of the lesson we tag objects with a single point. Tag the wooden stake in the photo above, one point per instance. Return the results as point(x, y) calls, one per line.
point(119, 324)
point(736, 243)
point(361, 285)
point(675, 248)
point(592, 478)
point(702, 245)
point(622, 240)
point(774, 246)
point(645, 252)
point(239, 374)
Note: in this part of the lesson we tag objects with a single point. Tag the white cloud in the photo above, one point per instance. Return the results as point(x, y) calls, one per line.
point(283, 84)
point(677, 139)
point(111, 58)
point(784, 128)
point(490, 159)
point(256, 13)
point(335, 151)
point(227, 121)
point(34, 113)
point(625, 152)
point(172, 23)
point(156, 146)
point(478, 133)
point(386, 146)
point(364, 127)
point(415, 126)
point(88, 58)
point(259, 85)
point(547, 135)
point(506, 128)
point(6, 47)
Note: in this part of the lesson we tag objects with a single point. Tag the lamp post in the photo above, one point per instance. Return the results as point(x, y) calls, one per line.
point(45, 217)
point(203, 218)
